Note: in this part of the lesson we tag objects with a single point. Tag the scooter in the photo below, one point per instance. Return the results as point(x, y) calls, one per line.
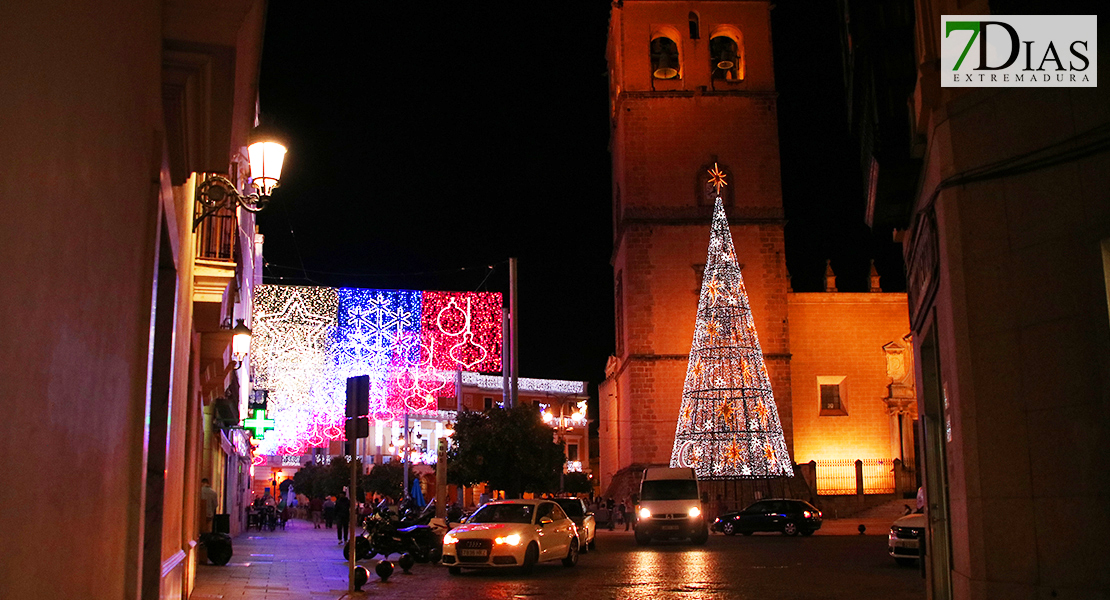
point(420, 536)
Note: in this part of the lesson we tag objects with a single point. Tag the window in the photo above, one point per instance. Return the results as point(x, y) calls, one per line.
point(699, 275)
point(669, 489)
point(664, 58)
point(832, 396)
point(725, 58)
point(572, 451)
point(695, 32)
point(488, 402)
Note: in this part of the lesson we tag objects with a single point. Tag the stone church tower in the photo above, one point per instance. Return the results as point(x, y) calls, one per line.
point(691, 86)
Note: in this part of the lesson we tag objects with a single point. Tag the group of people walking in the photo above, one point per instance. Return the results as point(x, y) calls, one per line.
point(332, 509)
point(609, 514)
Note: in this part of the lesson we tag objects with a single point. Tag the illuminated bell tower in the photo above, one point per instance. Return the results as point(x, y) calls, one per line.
point(691, 86)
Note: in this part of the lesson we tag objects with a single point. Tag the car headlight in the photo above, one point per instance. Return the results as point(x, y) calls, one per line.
point(449, 539)
point(645, 513)
point(807, 514)
point(695, 512)
point(512, 540)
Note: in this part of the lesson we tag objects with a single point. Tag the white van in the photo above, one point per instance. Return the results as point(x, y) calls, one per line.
point(670, 506)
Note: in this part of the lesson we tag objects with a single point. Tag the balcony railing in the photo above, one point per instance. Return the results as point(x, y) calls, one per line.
point(216, 235)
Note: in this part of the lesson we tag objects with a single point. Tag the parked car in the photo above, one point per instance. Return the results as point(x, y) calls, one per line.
point(512, 533)
point(790, 517)
point(904, 542)
point(583, 520)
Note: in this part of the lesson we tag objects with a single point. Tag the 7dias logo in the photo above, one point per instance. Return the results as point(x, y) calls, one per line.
point(1019, 51)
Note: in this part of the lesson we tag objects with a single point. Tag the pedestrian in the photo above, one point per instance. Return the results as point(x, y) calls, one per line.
point(622, 514)
point(209, 502)
point(602, 516)
point(343, 517)
point(317, 508)
point(329, 511)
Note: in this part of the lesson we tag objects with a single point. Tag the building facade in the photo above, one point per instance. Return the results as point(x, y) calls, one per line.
point(112, 113)
point(692, 89)
point(562, 402)
point(1008, 257)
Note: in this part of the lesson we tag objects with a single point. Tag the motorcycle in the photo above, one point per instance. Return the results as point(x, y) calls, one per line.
point(420, 535)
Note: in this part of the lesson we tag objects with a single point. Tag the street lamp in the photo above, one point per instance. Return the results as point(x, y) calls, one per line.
point(240, 343)
point(266, 154)
point(576, 418)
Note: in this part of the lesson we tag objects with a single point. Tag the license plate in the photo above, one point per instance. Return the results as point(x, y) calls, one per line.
point(904, 544)
point(472, 553)
point(669, 528)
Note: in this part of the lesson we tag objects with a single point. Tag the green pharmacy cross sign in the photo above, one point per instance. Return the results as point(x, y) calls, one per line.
point(259, 425)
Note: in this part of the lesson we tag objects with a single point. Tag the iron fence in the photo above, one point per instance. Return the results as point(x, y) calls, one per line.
point(844, 476)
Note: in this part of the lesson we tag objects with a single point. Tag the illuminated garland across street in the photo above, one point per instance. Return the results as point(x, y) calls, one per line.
point(308, 340)
point(728, 425)
point(525, 384)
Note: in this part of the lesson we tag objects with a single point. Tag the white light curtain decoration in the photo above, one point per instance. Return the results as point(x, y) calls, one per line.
point(291, 354)
point(728, 425)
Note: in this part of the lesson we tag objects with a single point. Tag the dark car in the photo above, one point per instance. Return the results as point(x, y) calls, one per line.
point(790, 517)
point(583, 519)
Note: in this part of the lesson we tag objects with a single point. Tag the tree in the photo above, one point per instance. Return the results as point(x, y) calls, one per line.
point(328, 480)
point(510, 449)
point(387, 479)
point(307, 480)
point(728, 425)
point(577, 483)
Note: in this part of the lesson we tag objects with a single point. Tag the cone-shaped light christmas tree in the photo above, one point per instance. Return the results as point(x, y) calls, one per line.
point(728, 426)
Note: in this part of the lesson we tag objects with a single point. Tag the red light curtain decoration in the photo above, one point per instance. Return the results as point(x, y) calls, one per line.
point(728, 425)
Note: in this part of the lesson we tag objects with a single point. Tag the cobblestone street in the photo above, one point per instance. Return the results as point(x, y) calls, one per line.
point(836, 563)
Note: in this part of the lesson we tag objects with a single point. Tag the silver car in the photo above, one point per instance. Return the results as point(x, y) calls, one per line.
point(904, 542)
point(583, 519)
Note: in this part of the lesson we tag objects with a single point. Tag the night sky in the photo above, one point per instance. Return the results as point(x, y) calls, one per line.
point(429, 142)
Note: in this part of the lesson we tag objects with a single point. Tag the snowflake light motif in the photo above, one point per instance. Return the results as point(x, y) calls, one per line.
point(728, 419)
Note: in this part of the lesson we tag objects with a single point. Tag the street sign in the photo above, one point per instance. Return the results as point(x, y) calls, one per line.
point(258, 400)
point(358, 396)
point(358, 427)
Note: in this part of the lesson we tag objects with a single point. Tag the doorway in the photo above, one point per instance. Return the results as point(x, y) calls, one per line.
point(935, 427)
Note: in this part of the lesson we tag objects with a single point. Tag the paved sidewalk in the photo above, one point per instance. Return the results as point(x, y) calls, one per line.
point(297, 563)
